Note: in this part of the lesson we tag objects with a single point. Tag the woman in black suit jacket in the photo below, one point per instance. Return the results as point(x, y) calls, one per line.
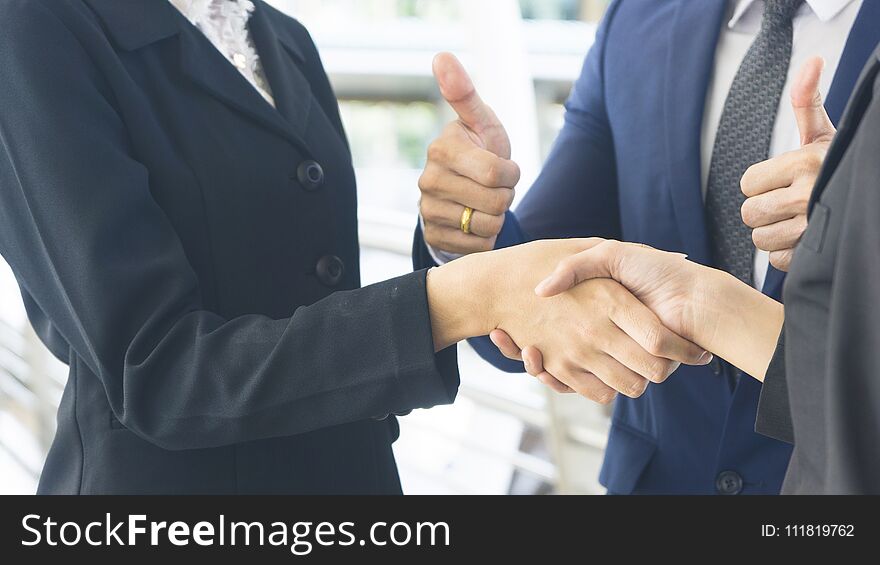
point(191, 252)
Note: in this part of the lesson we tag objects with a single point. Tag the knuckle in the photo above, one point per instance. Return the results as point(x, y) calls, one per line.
point(658, 370)
point(781, 259)
point(814, 161)
point(428, 180)
point(516, 173)
point(493, 175)
point(792, 167)
point(428, 210)
point(509, 195)
point(655, 340)
point(801, 196)
point(637, 388)
point(591, 335)
point(756, 238)
point(604, 397)
point(616, 309)
point(496, 223)
point(432, 235)
point(808, 165)
point(592, 389)
point(485, 244)
point(746, 183)
point(761, 239)
point(437, 151)
point(750, 214)
point(497, 204)
point(429, 232)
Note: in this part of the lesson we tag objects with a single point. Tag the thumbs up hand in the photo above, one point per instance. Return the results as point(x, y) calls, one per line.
point(468, 167)
point(778, 190)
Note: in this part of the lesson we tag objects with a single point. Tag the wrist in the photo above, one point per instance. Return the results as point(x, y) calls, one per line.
point(738, 323)
point(459, 301)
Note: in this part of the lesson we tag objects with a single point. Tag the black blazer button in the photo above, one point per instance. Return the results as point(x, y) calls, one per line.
point(729, 483)
point(310, 175)
point(330, 270)
point(716, 366)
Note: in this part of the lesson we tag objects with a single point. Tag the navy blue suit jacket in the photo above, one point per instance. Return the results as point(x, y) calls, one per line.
point(627, 166)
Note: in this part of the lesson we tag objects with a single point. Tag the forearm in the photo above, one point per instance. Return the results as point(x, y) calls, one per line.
point(736, 322)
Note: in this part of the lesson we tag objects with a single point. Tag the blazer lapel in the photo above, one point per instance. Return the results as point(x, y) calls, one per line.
point(689, 68)
point(206, 67)
point(136, 24)
point(862, 96)
point(133, 24)
point(279, 56)
point(862, 40)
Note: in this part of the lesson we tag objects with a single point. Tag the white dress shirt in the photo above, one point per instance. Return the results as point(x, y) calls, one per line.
point(821, 27)
point(225, 24)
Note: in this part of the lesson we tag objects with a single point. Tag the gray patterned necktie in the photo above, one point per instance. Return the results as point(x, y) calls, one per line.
point(744, 136)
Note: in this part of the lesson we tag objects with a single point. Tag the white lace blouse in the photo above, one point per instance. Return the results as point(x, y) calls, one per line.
point(225, 24)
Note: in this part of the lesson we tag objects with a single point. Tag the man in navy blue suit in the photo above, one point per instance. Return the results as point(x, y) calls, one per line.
point(676, 101)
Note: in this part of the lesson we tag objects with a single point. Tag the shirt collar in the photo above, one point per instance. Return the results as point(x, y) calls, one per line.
point(825, 10)
point(192, 9)
point(200, 11)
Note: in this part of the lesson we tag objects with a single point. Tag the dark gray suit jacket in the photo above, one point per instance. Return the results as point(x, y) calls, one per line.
point(178, 246)
point(823, 389)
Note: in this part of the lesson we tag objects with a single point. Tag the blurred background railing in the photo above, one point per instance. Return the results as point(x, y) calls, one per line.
point(505, 434)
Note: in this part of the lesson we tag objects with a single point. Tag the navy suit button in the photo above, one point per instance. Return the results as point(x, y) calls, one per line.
point(310, 175)
point(330, 270)
point(729, 483)
point(716, 367)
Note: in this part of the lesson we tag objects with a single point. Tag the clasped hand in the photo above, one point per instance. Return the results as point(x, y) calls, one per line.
point(624, 338)
point(696, 304)
point(597, 338)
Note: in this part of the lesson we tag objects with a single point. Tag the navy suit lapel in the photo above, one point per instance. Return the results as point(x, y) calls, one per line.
point(862, 40)
point(689, 68)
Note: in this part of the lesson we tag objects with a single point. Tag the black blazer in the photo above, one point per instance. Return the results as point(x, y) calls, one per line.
point(192, 253)
point(822, 390)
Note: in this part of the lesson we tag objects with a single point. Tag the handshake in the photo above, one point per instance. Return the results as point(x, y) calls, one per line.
point(586, 332)
point(600, 317)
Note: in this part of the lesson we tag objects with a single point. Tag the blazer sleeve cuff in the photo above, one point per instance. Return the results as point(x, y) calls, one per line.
point(421, 255)
point(774, 411)
point(426, 378)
